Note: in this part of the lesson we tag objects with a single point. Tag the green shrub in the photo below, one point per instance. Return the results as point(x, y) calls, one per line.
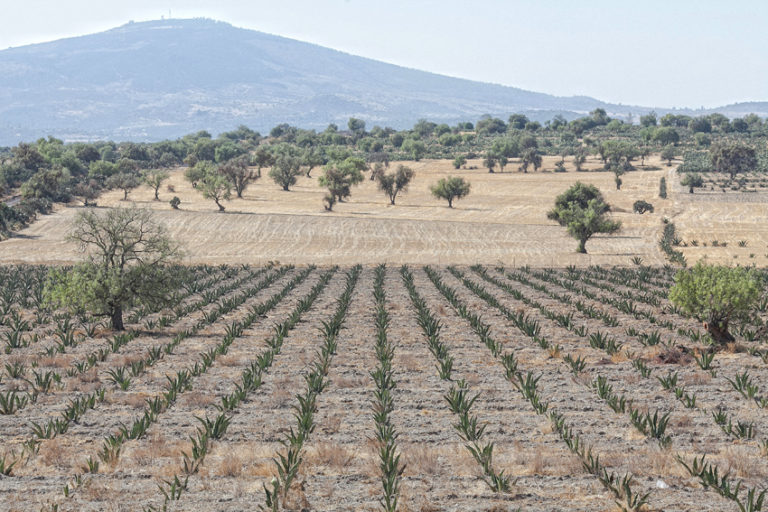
point(716, 295)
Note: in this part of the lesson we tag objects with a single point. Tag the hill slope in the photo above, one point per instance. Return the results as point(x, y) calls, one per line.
point(158, 79)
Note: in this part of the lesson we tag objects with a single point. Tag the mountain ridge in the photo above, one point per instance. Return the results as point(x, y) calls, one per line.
point(163, 79)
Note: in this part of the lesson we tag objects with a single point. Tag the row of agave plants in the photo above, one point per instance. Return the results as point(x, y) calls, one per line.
point(288, 460)
point(182, 380)
point(652, 425)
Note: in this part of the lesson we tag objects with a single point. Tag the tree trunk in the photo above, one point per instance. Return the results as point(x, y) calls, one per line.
point(719, 332)
point(581, 248)
point(450, 203)
point(117, 318)
point(157, 198)
point(285, 188)
point(125, 195)
point(221, 207)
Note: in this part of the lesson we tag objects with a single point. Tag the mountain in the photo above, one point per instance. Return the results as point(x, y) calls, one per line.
point(163, 79)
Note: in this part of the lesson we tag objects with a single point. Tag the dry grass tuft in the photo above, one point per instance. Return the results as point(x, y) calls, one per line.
point(332, 455)
point(420, 460)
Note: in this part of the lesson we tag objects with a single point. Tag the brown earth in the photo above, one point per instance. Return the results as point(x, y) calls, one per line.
point(340, 470)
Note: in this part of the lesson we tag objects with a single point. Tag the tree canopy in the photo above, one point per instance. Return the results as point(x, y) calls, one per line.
point(716, 295)
point(126, 265)
point(583, 211)
point(450, 189)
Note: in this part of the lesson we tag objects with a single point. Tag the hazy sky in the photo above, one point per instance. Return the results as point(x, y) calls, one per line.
point(666, 53)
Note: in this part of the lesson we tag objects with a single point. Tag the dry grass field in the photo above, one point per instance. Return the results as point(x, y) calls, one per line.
point(502, 220)
point(601, 371)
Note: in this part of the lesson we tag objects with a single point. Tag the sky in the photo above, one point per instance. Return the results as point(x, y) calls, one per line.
point(660, 53)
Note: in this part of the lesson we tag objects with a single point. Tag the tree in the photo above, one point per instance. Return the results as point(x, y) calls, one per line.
point(356, 126)
point(641, 207)
point(87, 190)
point(394, 183)
point(263, 158)
point(340, 176)
point(209, 182)
point(666, 135)
point(692, 180)
point(416, 148)
point(530, 157)
point(583, 211)
point(716, 295)
point(127, 265)
point(518, 121)
point(490, 161)
point(154, 178)
point(217, 187)
point(459, 161)
point(285, 171)
point(490, 125)
point(237, 172)
point(580, 158)
point(451, 188)
point(733, 158)
point(668, 153)
point(312, 158)
point(648, 119)
point(124, 181)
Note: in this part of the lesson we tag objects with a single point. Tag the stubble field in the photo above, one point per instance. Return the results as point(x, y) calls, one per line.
point(503, 220)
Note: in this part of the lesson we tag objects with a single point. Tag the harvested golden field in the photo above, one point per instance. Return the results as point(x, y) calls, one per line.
point(454, 388)
point(502, 220)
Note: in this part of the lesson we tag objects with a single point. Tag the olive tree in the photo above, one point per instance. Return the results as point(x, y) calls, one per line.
point(394, 183)
point(339, 177)
point(239, 175)
point(154, 178)
point(128, 254)
point(733, 158)
point(450, 189)
point(692, 180)
point(124, 181)
point(583, 211)
point(286, 170)
point(715, 295)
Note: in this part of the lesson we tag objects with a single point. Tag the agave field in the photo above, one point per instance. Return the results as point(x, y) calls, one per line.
point(382, 388)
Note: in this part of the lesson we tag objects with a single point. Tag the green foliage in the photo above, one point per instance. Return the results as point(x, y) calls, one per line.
point(692, 180)
point(124, 181)
point(237, 172)
point(450, 189)
point(583, 211)
point(641, 207)
point(668, 153)
point(459, 162)
point(126, 265)
point(154, 178)
point(733, 158)
point(394, 183)
point(716, 295)
point(663, 188)
point(339, 178)
point(416, 148)
point(286, 170)
point(213, 185)
point(666, 135)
